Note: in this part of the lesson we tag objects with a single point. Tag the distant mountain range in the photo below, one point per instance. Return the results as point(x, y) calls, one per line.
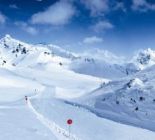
point(94, 62)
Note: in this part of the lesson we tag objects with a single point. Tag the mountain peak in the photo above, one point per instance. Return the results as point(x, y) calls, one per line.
point(148, 51)
point(7, 36)
point(145, 58)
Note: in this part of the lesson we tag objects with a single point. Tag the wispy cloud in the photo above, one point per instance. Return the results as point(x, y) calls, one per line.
point(142, 5)
point(92, 40)
point(25, 27)
point(102, 26)
point(59, 13)
point(2, 18)
point(120, 6)
point(97, 7)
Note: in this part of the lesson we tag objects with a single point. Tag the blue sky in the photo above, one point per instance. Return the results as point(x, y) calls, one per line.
point(120, 26)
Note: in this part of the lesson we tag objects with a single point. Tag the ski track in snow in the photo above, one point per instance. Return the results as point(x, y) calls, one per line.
point(59, 132)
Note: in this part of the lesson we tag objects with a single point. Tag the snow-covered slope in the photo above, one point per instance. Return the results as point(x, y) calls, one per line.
point(58, 51)
point(86, 125)
point(130, 100)
point(41, 64)
point(19, 123)
point(105, 64)
point(14, 87)
point(102, 63)
point(98, 68)
point(14, 52)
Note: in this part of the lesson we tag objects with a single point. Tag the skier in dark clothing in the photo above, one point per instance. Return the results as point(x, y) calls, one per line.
point(26, 98)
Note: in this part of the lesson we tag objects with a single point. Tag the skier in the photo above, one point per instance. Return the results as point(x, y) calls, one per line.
point(26, 98)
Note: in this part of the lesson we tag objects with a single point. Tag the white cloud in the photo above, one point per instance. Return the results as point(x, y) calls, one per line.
point(25, 27)
point(139, 2)
point(57, 14)
point(2, 18)
point(97, 7)
point(120, 6)
point(101, 26)
point(142, 5)
point(92, 40)
point(31, 30)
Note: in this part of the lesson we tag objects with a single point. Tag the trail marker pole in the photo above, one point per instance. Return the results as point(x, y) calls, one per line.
point(69, 128)
point(69, 122)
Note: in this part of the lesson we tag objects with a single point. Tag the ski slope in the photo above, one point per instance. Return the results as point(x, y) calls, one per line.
point(65, 82)
point(14, 87)
point(59, 132)
point(17, 122)
point(86, 125)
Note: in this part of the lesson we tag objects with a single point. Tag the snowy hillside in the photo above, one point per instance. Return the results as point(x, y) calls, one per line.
point(105, 64)
point(14, 52)
point(98, 68)
point(14, 87)
point(130, 100)
point(42, 86)
point(102, 63)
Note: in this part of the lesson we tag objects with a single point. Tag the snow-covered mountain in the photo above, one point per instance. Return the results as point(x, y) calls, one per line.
point(46, 85)
point(19, 53)
point(94, 62)
point(14, 52)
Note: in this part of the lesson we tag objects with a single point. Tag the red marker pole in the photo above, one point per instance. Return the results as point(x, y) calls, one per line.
point(69, 122)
